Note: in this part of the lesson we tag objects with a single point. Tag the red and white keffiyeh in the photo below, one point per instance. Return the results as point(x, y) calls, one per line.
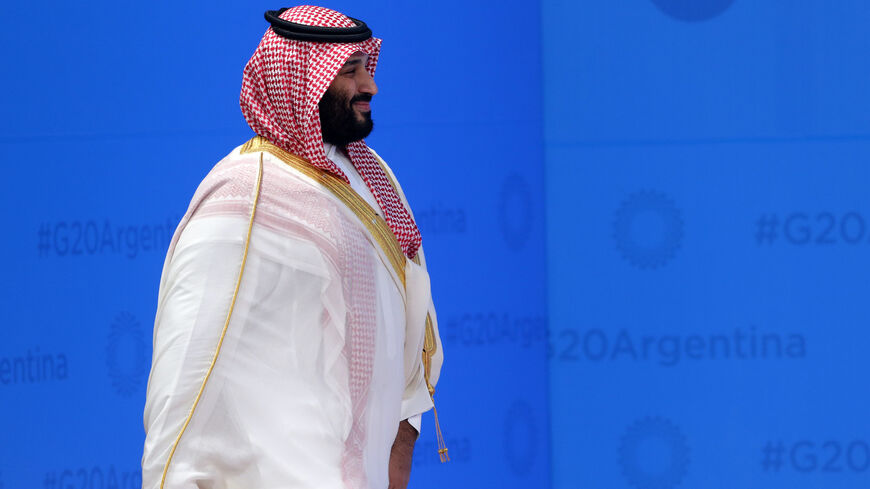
point(281, 87)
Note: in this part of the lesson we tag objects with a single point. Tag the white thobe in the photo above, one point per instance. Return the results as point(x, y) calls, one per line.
point(286, 346)
point(362, 189)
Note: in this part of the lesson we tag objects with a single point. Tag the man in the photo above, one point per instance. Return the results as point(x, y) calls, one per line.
point(295, 343)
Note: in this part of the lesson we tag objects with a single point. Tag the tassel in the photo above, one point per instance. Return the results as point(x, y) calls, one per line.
point(429, 347)
point(442, 447)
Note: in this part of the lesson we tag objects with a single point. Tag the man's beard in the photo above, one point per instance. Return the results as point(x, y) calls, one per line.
point(339, 122)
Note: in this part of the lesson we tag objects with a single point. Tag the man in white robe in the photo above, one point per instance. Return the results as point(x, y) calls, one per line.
point(295, 343)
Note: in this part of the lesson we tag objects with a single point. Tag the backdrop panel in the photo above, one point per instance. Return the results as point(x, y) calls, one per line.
point(708, 242)
point(113, 113)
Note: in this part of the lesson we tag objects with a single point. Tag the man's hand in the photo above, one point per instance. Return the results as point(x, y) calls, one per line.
point(401, 455)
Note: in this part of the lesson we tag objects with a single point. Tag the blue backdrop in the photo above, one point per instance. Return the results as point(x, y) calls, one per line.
point(647, 224)
point(708, 243)
point(113, 114)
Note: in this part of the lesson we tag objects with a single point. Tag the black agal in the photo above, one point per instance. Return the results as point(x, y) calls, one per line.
point(313, 33)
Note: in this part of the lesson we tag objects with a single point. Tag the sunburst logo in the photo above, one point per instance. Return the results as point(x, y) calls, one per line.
point(648, 229)
point(515, 213)
point(654, 454)
point(520, 438)
point(126, 354)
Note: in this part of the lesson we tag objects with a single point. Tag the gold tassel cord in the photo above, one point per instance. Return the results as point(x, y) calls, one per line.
point(442, 447)
point(429, 347)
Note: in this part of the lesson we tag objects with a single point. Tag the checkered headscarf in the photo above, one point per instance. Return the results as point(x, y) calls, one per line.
point(281, 87)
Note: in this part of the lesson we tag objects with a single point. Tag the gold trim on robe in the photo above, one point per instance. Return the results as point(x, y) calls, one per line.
point(376, 224)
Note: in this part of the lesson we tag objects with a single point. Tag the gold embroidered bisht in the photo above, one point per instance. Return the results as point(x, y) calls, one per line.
point(288, 335)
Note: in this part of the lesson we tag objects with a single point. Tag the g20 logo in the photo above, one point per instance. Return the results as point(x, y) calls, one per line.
point(126, 354)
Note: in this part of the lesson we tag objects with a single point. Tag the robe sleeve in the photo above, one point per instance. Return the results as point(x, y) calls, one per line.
point(243, 391)
point(416, 398)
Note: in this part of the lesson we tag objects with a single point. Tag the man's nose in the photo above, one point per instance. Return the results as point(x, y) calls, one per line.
point(367, 84)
